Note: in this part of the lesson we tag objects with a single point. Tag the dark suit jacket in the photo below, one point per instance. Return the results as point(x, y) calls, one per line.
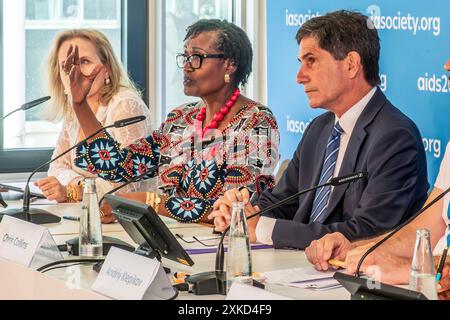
point(386, 144)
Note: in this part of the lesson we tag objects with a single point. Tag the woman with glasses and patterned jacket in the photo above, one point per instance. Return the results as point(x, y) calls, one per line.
point(204, 148)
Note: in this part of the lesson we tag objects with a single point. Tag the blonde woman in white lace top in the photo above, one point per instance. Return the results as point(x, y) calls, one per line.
point(112, 98)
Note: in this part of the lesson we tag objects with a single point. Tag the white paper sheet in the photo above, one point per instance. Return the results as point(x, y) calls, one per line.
point(304, 278)
point(239, 291)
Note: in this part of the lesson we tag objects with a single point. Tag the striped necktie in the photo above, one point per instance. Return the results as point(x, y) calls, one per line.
point(322, 197)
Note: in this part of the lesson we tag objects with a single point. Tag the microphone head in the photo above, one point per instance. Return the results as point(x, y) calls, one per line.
point(348, 178)
point(128, 121)
point(34, 103)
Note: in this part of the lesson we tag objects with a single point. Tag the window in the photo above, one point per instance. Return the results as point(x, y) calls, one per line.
point(145, 34)
point(43, 19)
point(27, 32)
point(179, 14)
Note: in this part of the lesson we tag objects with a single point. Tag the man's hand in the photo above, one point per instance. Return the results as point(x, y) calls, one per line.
point(252, 223)
point(331, 246)
point(223, 207)
point(52, 189)
point(380, 265)
point(221, 214)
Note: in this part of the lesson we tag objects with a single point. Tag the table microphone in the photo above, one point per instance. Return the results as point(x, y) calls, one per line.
point(214, 282)
point(39, 216)
point(29, 105)
point(396, 230)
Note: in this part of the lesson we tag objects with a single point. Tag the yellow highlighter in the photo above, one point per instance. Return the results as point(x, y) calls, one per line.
point(336, 263)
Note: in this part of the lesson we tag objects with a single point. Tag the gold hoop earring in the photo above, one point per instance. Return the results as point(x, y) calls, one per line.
point(227, 78)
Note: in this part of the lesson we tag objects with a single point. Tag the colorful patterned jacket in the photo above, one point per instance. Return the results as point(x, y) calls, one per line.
point(193, 172)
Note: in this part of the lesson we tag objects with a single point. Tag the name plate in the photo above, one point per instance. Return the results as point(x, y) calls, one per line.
point(125, 275)
point(20, 240)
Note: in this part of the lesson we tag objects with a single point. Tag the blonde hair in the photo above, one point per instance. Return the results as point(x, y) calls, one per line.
point(60, 107)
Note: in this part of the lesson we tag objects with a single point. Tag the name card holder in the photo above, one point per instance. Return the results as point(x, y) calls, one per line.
point(27, 244)
point(129, 276)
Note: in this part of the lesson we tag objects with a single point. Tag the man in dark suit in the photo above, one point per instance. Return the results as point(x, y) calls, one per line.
point(391, 262)
point(362, 131)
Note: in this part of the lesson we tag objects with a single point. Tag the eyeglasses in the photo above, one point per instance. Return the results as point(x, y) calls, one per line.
point(203, 242)
point(195, 60)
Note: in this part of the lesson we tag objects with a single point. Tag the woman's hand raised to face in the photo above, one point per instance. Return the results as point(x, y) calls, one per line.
point(80, 84)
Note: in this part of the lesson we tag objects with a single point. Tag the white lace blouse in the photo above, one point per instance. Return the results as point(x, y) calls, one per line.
point(124, 105)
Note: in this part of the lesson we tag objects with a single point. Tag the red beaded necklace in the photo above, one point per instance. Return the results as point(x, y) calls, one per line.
point(218, 117)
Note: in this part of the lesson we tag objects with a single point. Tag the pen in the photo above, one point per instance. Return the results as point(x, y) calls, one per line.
point(179, 277)
point(441, 265)
point(337, 263)
point(71, 218)
point(444, 254)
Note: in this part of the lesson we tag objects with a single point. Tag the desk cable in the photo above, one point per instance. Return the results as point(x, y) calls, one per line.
point(67, 266)
point(75, 261)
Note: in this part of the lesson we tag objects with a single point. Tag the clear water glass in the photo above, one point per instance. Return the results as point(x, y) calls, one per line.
point(90, 239)
point(239, 260)
point(423, 276)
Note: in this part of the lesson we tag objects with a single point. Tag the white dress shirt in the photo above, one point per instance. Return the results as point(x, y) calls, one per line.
point(265, 226)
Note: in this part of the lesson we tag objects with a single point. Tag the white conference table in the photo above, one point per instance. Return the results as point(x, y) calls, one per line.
point(262, 260)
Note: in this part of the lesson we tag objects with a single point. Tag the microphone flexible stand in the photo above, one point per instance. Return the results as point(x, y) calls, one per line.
point(214, 282)
point(396, 230)
point(39, 216)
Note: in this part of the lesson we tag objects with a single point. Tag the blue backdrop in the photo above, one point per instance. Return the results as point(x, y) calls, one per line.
point(415, 40)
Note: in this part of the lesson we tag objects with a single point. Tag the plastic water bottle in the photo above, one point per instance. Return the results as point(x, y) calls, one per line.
point(422, 277)
point(90, 240)
point(239, 260)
